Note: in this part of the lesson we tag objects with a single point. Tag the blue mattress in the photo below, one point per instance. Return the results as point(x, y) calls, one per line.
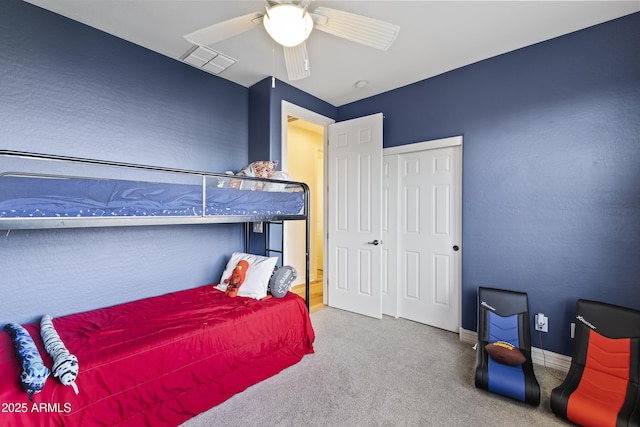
point(25, 197)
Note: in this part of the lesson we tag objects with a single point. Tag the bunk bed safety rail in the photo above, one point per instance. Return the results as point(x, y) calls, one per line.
point(50, 191)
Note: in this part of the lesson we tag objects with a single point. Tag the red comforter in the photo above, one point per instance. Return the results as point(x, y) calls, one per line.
point(159, 361)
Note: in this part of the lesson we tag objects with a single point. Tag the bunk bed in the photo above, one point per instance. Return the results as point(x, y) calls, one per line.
point(163, 359)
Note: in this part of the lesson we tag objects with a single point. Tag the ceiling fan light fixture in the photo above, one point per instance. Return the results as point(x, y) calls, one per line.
point(288, 24)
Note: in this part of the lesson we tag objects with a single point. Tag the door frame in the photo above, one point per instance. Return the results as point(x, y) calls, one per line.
point(454, 141)
point(289, 109)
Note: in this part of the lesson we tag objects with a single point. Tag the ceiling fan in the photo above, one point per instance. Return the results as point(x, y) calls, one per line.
point(289, 23)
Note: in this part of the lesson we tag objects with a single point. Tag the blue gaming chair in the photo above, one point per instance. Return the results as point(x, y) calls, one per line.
point(504, 316)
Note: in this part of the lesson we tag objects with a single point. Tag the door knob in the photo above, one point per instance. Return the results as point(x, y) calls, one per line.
point(455, 248)
point(375, 243)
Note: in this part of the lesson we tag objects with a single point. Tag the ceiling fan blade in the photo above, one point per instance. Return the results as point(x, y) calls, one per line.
point(225, 29)
point(301, 3)
point(297, 61)
point(357, 28)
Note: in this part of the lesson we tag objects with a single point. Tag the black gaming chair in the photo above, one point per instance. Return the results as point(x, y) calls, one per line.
point(504, 316)
point(601, 387)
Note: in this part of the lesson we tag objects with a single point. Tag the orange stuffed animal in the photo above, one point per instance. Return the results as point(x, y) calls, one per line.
point(236, 279)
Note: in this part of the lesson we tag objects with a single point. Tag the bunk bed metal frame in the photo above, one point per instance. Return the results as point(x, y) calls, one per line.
point(22, 223)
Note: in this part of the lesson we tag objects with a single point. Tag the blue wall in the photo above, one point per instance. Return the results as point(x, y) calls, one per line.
point(265, 104)
point(68, 89)
point(551, 181)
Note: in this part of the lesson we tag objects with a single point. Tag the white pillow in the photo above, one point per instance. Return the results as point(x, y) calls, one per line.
point(256, 281)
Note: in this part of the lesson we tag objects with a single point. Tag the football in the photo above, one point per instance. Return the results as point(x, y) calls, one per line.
point(281, 281)
point(505, 353)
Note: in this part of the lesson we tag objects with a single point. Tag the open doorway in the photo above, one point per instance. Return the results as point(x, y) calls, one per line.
point(303, 147)
point(305, 154)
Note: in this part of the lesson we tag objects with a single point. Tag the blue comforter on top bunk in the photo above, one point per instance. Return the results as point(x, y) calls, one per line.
point(22, 197)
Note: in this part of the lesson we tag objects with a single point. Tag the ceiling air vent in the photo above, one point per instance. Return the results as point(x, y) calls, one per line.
point(208, 59)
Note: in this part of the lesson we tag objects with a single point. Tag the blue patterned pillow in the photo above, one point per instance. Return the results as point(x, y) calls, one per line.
point(34, 372)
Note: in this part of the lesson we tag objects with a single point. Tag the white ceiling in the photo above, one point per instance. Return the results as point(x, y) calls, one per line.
point(435, 36)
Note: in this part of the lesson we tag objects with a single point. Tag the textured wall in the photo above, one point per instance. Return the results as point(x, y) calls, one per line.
point(266, 111)
point(66, 88)
point(551, 183)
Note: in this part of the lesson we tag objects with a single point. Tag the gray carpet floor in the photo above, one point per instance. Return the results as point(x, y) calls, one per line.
point(389, 372)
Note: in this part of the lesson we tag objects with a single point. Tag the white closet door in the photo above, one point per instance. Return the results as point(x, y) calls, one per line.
point(390, 213)
point(429, 237)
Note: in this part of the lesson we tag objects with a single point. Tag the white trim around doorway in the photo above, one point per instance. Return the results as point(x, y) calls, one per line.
point(452, 141)
point(289, 109)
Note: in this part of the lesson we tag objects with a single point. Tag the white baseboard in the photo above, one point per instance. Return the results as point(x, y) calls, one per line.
point(470, 337)
point(538, 356)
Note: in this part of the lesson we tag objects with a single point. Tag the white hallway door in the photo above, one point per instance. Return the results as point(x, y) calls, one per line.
point(354, 157)
point(429, 236)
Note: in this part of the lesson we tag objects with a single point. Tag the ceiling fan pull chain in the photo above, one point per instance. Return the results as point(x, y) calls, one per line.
point(273, 65)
